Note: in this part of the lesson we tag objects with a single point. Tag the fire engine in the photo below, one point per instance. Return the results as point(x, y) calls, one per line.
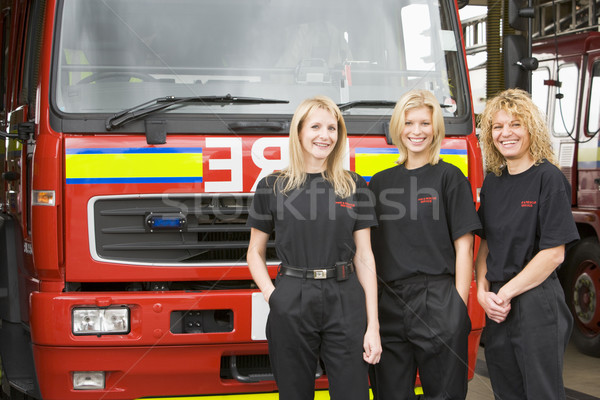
point(133, 135)
point(566, 85)
point(553, 50)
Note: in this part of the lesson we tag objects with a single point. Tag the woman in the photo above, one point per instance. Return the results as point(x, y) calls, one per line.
point(324, 301)
point(423, 249)
point(526, 216)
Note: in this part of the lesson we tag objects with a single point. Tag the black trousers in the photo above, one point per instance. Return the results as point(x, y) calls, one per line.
point(525, 353)
point(424, 324)
point(309, 319)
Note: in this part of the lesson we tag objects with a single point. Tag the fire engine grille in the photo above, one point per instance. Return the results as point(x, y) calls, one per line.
point(254, 368)
point(173, 229)
point(251, 368)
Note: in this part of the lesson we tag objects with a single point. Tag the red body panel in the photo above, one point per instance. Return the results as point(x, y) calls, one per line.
point(150, 360)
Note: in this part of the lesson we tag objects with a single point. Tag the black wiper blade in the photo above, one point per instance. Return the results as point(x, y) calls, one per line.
point(162, 103)
point(367, 104)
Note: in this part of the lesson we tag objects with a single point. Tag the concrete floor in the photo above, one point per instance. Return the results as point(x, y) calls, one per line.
point(581, 375)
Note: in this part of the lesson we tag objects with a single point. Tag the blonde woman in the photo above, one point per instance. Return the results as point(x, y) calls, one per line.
point(423, 249)
point(324, 301)
point(526, 216)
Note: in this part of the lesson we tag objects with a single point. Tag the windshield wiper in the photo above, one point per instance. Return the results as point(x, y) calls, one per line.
point(376, 104)
point(162, 103)
point(367, 104)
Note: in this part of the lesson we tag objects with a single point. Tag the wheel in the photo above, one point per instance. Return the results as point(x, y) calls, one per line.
point(581, 282)
point(116, 76)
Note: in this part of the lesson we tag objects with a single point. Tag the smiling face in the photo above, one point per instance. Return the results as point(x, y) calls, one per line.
point(417, 134)
point(318, 136)
point(510, 137)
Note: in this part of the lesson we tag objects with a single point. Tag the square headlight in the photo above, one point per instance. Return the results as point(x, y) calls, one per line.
point(100, 321)
point(89, 380)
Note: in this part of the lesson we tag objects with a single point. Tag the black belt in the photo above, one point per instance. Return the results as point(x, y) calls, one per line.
point(341, 271)
point(421, 278)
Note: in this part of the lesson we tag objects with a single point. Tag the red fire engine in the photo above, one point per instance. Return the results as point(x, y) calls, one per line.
point(134, 133)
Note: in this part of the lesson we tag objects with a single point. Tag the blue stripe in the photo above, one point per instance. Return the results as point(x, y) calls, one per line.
point(374, 150)
point(588, 164)
point(367, 178)
point(136, 150)
point(93, 181)
point(459, 152)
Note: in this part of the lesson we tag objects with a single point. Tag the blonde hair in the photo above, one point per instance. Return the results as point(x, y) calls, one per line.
point(411, 100)
point(294, 176)
point(519, 105)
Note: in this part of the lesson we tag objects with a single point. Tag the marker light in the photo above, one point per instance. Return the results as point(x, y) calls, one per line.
point(100, 321)
point(166, 221)
point(88, 380)
point(42, 197)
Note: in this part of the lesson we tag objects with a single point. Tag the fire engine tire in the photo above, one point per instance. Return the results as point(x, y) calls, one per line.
point(580, 276)
point(116, 76)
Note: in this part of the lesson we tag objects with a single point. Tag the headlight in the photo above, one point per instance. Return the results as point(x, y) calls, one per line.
point(88, 380)
point(100, 321)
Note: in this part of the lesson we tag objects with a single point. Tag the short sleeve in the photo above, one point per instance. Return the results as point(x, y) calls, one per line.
point(259, 214)
point(461, 214)
point(365, 205)
point(556, 224)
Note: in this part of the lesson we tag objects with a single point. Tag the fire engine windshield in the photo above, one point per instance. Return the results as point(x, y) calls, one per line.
point(112, 55)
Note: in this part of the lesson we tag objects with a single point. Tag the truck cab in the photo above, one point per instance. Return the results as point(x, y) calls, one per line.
point(135, 134)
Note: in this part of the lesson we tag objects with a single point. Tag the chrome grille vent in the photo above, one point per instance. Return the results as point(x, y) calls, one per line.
point(173, 229)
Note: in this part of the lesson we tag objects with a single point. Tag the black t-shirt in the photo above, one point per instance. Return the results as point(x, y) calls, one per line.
point(522, 214)
point(420, 213)
point(313, 227)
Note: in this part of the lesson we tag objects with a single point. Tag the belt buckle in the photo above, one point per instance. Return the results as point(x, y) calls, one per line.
point(319, 274)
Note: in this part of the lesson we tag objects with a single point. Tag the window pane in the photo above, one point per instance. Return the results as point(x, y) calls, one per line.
point(564, 108)
point(539, 91)
point(115, 54)
point(594, 108)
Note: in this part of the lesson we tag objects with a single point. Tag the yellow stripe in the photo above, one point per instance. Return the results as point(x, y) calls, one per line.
point(368, 164)
point(133, 165)
point(461, 161)
point(319, 395)
point(589, 155)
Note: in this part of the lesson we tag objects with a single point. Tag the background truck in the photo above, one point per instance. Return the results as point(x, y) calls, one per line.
point(552, 49)
point(133, 135)
point(566, 86)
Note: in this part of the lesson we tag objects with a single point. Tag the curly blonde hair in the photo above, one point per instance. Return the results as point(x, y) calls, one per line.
point(517, 103)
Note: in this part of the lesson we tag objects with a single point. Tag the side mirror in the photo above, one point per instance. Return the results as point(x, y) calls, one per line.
point(519, 14)
point(517, 63)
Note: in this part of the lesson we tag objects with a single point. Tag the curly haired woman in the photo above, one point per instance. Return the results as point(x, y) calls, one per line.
point(526, 216)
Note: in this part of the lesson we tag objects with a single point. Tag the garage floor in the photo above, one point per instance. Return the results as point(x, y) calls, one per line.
point(581, 374)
